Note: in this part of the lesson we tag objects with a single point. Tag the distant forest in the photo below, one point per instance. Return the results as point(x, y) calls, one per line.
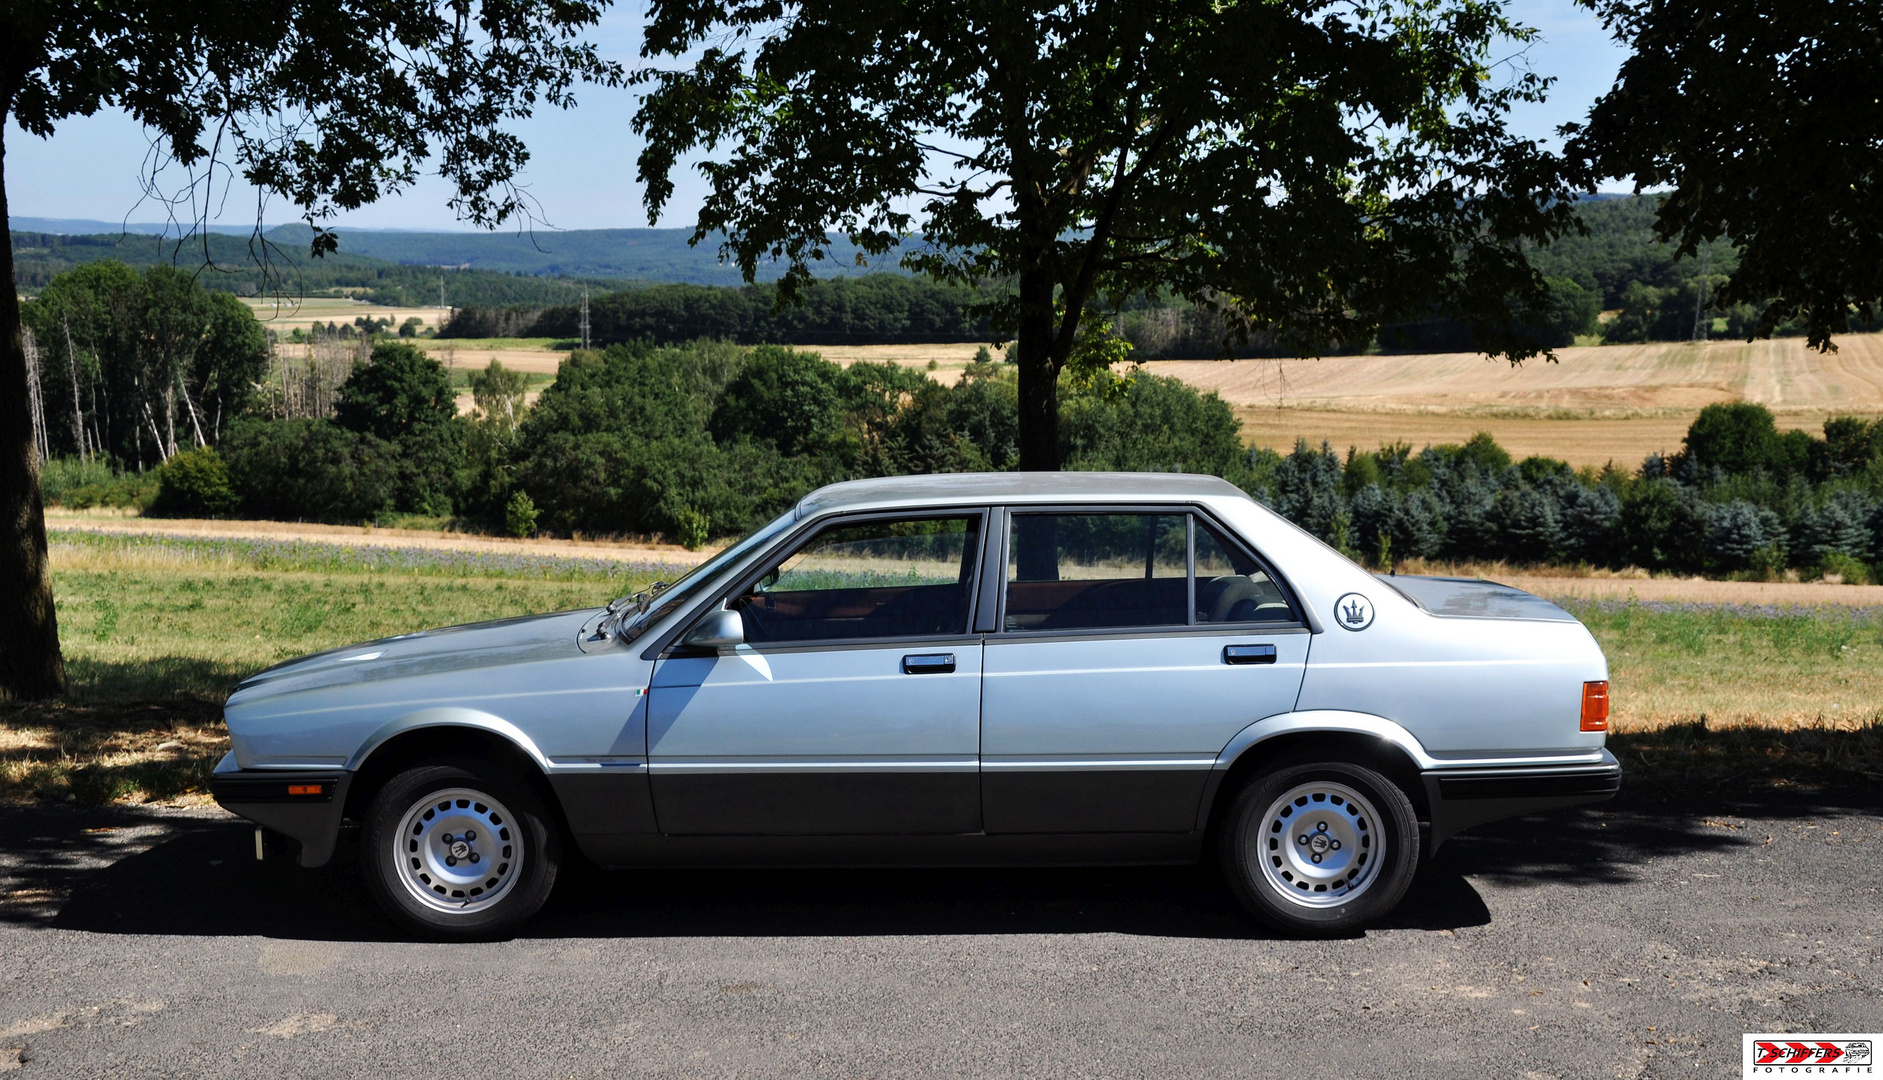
point(234, 267)
point(649, 285)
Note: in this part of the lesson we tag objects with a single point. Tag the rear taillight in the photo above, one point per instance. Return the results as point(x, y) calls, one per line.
point(1595, 706)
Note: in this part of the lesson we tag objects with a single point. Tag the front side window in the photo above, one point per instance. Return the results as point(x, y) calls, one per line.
point(874, 579)
point(1094, 571)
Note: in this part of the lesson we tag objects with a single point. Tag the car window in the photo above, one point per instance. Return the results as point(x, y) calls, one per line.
point(1093, 571)
point(1231, 587)
point(874, 579)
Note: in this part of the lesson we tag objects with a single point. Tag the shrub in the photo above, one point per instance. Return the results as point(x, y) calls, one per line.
point(1737, 437)
point(194, 483)
point(309, 470)
point(793, 400)
point(519, 516)
point(1148, 423)
point(1742, 536)
point(61, 478)
point(1524, 518)
point(397, 391)
point(1307, 490)
point(1850, 571)
point(1662, 525)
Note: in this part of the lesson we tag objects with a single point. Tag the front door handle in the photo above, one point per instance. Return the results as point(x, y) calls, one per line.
point(1248, 654)
point(929, 664)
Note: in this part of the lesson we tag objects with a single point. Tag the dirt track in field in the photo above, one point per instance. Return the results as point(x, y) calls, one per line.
point(367, 535)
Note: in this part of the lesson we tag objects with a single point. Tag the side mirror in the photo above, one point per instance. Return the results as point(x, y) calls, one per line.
point(718, 630)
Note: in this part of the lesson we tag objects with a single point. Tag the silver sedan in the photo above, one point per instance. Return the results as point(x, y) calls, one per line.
point(961, 669)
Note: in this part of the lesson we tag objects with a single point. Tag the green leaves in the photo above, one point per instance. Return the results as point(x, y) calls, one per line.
point(1309, 169)
point(1762, 118)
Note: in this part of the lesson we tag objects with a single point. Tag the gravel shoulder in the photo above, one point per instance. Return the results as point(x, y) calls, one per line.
point(1637, 939)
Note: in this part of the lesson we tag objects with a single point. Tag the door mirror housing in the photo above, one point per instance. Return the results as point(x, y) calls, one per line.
point(718, 630)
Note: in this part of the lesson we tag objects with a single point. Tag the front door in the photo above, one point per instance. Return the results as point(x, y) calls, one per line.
point(1133, 647)
point(854, 705)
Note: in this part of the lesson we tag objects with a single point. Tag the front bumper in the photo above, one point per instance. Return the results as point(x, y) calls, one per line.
point(1461, 798)
point(305, 805)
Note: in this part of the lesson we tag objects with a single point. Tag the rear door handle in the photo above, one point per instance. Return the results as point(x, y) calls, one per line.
point(1248, 654)
point(928, 664)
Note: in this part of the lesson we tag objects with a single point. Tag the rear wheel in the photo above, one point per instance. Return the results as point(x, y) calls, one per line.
point(1319, 850)
point(459, 850)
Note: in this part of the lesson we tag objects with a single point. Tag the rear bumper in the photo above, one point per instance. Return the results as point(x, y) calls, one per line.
point(305, 805)
point(1461, 798)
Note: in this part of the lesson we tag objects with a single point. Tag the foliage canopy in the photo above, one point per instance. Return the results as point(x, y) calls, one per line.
point(1309, 167)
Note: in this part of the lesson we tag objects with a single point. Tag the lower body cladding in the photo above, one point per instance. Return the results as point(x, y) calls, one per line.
point(1461, 798)
point(1061, 818)
point(304, 805)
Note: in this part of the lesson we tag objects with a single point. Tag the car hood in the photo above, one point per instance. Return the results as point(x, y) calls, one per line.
point(1473, 598)
point(428, 652)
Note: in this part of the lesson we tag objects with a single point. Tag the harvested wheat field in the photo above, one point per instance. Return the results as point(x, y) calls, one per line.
point(465, 354)
point(1596, 404)
point(286, 316)
point(949, 360)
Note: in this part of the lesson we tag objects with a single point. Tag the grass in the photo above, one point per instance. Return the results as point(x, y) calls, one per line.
point(1739, 665)
point(156, 630)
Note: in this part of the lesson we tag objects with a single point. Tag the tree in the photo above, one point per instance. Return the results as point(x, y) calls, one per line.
point(1762, 118)
point(1309, 168)
point(394, 392)
point(328, 103)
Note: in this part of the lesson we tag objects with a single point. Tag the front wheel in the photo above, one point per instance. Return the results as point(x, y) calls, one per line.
point(1320, 850)
point(459, 850)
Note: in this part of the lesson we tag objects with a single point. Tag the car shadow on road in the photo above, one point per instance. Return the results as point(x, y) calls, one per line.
point(202, 879)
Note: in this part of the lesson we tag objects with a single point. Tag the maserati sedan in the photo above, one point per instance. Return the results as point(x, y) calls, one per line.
point(1032, 669)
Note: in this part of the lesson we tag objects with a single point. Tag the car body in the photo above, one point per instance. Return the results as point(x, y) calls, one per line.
point(953, 669)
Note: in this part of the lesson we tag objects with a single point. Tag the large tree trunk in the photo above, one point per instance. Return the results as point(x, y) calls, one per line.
point(30, 664)
point(1039, 375)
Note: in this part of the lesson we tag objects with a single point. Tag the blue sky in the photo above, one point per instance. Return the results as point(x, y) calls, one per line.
point(582, 165)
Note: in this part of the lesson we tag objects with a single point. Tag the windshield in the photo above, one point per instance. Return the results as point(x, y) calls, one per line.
point(658, 603)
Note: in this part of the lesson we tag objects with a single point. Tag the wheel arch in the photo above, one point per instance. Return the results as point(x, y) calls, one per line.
point(433, 734)
point(1362, 739)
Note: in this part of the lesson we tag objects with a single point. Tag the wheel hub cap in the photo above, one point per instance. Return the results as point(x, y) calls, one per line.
point(1318, 844)
point(458, 850)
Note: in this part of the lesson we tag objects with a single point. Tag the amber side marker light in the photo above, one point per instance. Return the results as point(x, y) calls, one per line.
point(315, 789)
point(1595, 706)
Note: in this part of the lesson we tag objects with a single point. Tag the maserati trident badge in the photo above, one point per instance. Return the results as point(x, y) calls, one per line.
point(1353, 612)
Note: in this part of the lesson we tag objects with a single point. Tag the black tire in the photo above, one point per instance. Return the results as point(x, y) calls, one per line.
point(508, 833)
point(1364, 854)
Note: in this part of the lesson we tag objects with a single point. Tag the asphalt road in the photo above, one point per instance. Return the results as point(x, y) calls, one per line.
point(1637, 941)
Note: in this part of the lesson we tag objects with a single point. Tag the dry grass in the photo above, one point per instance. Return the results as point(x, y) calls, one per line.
point(93, 754)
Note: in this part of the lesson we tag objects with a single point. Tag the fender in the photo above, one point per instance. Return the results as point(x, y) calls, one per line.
point(450, 716)
point(1325, 720)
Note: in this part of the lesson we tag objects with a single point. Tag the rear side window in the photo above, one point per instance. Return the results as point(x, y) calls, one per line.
point(1121, 570)
point(1093, 571)
point(1231, 587)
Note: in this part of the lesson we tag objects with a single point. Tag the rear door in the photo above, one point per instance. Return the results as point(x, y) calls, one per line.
point(1131, 645)
point(854, 705)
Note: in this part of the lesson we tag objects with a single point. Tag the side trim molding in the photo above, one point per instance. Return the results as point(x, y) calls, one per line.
point(1333, 720)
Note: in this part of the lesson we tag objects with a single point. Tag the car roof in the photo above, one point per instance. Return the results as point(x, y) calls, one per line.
point(953, 489)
